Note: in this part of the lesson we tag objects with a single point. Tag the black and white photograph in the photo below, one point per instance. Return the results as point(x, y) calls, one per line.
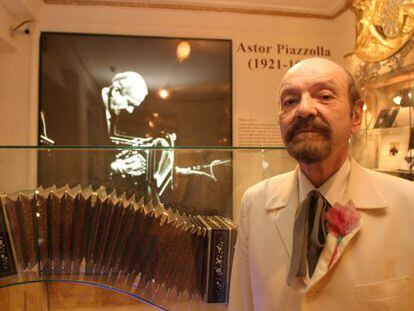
point(146, 95)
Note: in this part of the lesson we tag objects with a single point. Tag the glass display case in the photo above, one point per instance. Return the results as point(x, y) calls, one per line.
point(150, 228)
point(386, 139)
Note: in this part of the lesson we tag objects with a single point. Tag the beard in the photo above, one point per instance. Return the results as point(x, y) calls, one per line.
point(308, 147)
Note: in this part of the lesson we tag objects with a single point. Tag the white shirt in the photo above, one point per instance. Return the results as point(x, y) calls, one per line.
point(333, 189)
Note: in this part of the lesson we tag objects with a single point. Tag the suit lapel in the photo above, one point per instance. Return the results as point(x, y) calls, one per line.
point(361, 189)
point(329, 256)
point(284, 221)
point(281, 207)
point(363, 198)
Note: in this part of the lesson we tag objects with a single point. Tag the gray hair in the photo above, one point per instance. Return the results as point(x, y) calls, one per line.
point(353, 92)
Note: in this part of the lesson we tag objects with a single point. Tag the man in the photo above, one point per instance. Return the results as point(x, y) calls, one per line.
point(370, 266)
point(127, 92)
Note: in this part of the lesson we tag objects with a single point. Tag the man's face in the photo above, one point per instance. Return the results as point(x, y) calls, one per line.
point(124, 98)
point(128, 91)
point(315, 119)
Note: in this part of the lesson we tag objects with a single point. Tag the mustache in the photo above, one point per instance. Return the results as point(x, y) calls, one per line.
point(305, 125)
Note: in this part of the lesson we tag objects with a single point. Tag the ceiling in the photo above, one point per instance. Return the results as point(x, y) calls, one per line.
point(300, 8)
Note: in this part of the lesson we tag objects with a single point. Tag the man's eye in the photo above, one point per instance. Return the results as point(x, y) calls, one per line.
point(325, 96)
point(289, 102)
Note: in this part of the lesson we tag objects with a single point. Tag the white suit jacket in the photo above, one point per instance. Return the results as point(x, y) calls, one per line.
point(374, 265)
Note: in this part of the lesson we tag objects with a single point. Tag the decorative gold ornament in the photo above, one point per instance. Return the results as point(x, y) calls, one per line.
point(383, 27)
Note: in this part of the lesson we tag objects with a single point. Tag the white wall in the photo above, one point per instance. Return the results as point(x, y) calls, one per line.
point(17, 88)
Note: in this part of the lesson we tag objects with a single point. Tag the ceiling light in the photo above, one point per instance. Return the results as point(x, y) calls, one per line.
point(183, 50)
point(151, 124)
point(397, 100)
point(164, 93)
point(156, 114)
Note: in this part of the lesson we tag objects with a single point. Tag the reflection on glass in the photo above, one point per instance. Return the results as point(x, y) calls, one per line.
point(68, 296)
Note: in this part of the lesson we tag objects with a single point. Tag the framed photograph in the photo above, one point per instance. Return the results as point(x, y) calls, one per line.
point(109, 90)
point(386, 118)
point(393, 149)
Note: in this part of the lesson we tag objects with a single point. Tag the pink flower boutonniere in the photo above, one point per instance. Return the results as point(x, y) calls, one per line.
point(342, 219)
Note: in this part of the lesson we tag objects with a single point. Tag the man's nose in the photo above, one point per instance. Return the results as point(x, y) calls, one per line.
point(306, 107)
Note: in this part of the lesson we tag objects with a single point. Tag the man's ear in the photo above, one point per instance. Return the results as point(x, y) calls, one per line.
point(357, 112)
